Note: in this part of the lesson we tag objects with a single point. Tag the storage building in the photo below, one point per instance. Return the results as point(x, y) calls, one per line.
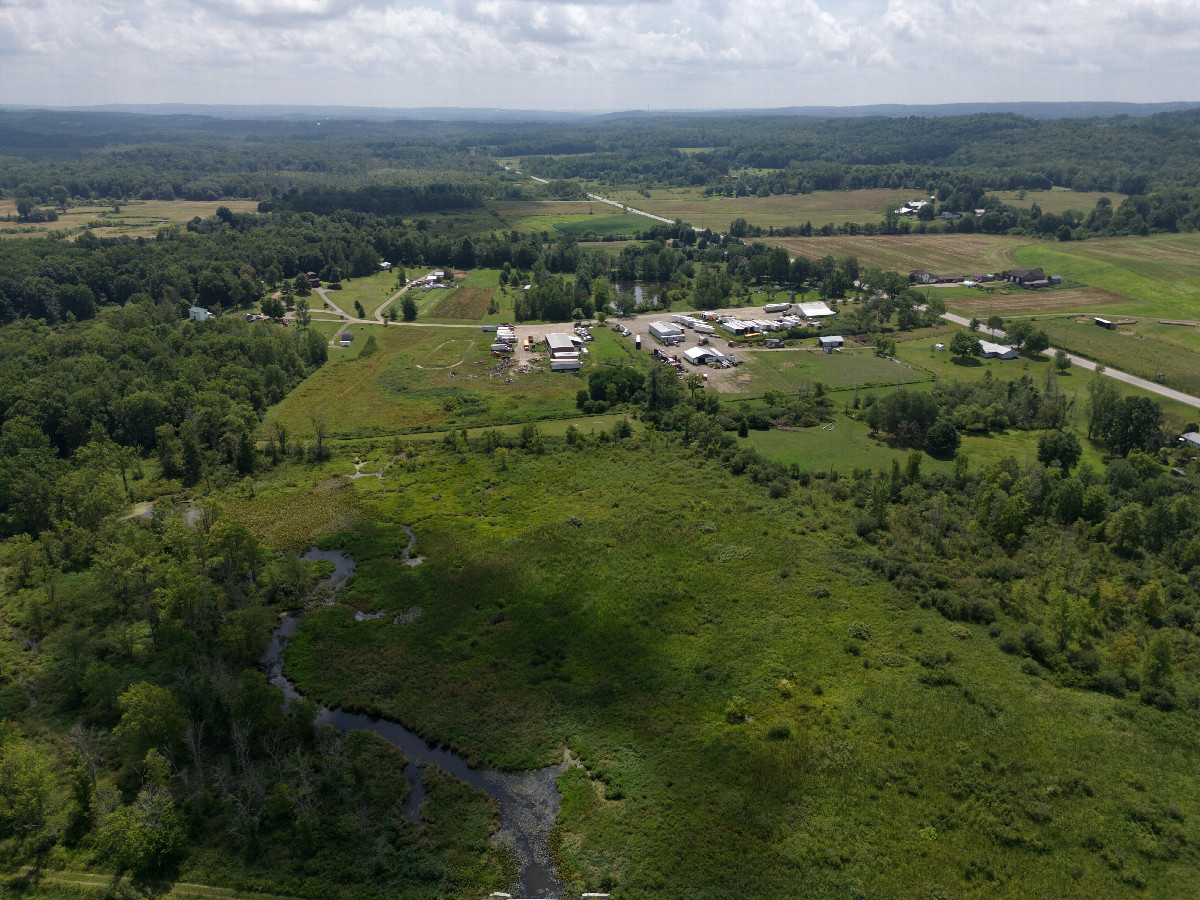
point(666, 332)
point(561, 344)
point(815, 310)
point(830, 341)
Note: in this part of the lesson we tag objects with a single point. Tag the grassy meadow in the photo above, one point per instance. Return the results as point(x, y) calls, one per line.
point(622, 608)
point(422, 379)
point(1057, 200)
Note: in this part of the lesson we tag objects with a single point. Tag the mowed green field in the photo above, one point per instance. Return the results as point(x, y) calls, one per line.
point(1159, 273)
point(618, 609)
point(781, 210)
point(422, 379)
point(941, 254)
point(786, 370)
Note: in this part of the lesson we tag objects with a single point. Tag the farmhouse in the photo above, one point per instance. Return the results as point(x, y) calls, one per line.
point(997, 351)
point(919, 276)
point(830, 341)
point(1026, 277)
point(199, 314)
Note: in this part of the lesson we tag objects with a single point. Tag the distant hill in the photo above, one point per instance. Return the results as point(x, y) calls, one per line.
point(1067, 110)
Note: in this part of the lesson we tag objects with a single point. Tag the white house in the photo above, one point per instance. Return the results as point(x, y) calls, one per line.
point(199, 314)
point(997, 351)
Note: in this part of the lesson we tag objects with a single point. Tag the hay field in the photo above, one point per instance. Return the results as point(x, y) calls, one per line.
point(942, 254)
point(1057, 200)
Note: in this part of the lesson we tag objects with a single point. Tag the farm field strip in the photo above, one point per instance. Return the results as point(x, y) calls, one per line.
point(942, 254)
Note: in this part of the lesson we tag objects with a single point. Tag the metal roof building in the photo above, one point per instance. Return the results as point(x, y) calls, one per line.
point(815, 310)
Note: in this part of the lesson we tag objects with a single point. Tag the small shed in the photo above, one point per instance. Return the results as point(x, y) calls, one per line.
point(199, 314)
point(346, 338)
point(1105, 323)
point(829, 342)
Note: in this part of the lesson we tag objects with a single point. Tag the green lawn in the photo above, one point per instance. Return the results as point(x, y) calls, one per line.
point(372, 292)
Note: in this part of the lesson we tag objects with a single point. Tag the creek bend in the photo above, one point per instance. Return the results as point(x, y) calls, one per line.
point(528, 800)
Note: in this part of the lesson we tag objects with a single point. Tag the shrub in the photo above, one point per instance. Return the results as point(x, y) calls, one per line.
point(780, 730)
point(859, 630)
point(736, 710)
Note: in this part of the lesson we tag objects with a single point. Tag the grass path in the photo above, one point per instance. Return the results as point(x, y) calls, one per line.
point(101, 882)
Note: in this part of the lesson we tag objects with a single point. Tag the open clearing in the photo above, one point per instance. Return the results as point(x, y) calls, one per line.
point(1057, 200)
point(942, 254)
point(386, 393)
point(372, 292)
point(136, 216)
point(786, 370)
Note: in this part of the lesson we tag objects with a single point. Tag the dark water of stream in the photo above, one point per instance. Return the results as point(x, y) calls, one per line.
point(528, 800)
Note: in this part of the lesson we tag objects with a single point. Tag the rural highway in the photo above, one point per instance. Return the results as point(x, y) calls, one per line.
point(1125, 377)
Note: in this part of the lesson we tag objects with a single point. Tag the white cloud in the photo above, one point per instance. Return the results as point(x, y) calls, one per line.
point(593, 54)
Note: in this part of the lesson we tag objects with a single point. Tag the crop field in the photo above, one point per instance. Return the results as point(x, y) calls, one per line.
point(464, 303)
point(420, 379)
point(1147, 351)
point(570, 216)
point(1057, 200)
point(942, 254)
point(1160, 273)
point(598, 614)
point(136, 216)
point(777, 211)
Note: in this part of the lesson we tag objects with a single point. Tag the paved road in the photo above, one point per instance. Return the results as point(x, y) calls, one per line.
point(1125, 377)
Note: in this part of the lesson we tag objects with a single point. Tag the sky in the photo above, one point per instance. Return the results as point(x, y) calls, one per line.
point(592, 55)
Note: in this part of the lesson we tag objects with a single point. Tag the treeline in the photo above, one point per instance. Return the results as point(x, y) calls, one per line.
point(52, 158)
point(179, 750)
point(804, 154)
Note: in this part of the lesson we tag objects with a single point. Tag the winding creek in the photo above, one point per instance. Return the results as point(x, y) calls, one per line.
point(528, 800)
